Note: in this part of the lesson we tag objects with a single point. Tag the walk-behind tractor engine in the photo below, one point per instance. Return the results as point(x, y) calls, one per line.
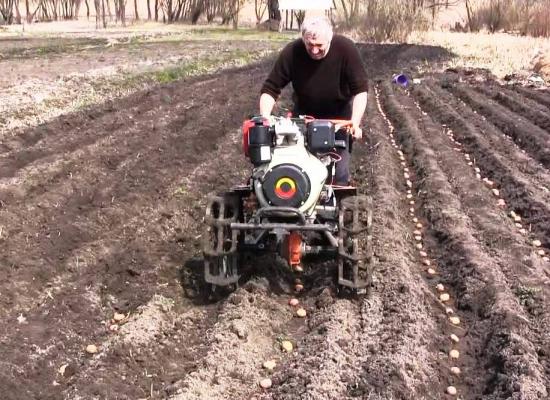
point(289, 205)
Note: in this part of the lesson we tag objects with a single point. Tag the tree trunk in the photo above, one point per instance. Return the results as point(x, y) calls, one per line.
point(149, 10)
point(17, 13)
point(468, 15)
point(136, 17)
point(103, 14)
point(156, 10)
point(274, 13)
point(27, 11)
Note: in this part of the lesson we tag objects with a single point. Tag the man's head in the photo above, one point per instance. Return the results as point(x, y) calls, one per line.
point(317, 35)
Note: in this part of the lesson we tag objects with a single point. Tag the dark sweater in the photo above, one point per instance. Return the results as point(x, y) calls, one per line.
point(322, 88)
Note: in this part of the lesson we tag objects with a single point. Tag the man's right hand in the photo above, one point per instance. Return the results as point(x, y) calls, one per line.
point(357, 132)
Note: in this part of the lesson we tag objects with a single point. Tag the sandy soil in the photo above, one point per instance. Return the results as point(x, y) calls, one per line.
point(101, 212)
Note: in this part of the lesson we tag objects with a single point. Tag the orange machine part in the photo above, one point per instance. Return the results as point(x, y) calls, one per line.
point(294, 248)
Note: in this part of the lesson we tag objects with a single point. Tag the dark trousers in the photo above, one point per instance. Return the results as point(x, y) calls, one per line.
point(341, 174)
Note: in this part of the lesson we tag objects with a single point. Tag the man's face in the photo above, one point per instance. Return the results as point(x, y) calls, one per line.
point(317, 46)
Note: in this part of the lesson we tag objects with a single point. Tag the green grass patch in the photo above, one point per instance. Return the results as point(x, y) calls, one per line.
point(204, 66)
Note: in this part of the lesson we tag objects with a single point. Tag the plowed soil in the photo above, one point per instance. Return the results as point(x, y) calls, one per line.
point(101, 212)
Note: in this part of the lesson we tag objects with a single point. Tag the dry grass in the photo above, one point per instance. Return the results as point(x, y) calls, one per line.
point(501, 53)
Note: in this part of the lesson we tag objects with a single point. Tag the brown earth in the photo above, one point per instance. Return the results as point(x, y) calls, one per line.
point(101, 211)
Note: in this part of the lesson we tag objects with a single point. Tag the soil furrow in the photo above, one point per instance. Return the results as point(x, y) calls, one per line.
point(496, 159)
point(526, 135)
point(113, 196)
point(537, 95)
point(523, 268)
point(517, 104)
point(496, 322)
point(142, 254)
point(360, 347)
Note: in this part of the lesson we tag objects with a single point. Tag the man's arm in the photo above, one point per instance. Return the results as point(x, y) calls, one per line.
point(358, 107)
point(278, 78)
point(266, 104)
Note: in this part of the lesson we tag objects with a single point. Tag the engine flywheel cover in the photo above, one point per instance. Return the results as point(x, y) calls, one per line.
point(286, 185)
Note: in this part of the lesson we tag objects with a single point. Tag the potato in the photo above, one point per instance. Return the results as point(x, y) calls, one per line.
point(537, 243)
point(426, 262)
point(266, 383)
point(423, 254)
point(440, 287)
point(444, 297)
point(455, 370)
point(118, 317)
point(301, 312)
point(454, 354)
point(451, 390)
point(454, 338)
point(287, 346)
point(269, 365)
point(454, 320)
point(91, 349)
point(294, 302)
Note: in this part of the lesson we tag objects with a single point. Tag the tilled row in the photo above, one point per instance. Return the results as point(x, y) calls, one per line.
point(384, 346)
point(497, 341)
point(526, 135)
point(132, 247)
point(540, 97)
point(525, 192)
point(521, 105)
point(522, 262)
point(450, 342)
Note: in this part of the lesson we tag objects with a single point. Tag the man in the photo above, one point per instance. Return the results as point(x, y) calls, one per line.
point(328, 79)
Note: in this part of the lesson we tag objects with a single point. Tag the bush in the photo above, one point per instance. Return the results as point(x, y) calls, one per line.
point(390, 20)
point(527, 17)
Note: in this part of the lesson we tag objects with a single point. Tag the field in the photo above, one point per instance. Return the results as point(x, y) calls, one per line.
point(108, 150)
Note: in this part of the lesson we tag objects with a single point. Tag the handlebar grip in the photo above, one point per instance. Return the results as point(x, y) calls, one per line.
point(340, 144)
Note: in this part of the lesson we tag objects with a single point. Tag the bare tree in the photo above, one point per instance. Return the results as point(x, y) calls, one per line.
point(6, 10)
point(260, 6)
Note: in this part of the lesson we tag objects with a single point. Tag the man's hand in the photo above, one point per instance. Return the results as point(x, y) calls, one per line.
point(357, 132)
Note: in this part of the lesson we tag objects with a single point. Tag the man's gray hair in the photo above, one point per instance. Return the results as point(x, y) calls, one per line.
point(319, 27)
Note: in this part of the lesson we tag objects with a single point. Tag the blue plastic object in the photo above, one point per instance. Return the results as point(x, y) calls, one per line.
point(401, 79)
